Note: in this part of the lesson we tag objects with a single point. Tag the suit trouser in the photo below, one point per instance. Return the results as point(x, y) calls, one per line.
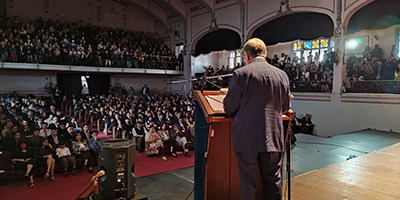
point(269, 166)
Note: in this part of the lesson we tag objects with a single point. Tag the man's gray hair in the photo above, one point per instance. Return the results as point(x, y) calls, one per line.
point(255, 47)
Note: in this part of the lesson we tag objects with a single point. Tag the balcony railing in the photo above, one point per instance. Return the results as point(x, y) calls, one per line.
point(372, 86)
point(311, 86)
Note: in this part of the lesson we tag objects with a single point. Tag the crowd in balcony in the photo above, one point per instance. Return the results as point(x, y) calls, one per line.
point(371, 72)
point(38, 134)
point(314, 74)
point(48, 42)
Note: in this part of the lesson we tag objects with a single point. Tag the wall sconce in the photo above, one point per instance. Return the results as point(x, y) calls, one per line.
point(376, 37)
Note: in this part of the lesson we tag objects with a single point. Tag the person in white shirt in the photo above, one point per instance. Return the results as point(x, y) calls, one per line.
point(64, 155)
point(50, 119)
point(85, 90)
point(45, 132)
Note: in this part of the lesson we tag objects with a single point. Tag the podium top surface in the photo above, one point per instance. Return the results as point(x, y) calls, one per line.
point(212, 104)
point(115, 143)
point(216, 102)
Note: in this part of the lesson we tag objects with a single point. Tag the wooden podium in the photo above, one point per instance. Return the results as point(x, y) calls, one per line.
point(216, 172)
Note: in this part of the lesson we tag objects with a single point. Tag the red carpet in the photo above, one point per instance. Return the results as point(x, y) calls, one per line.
point(63, 189)
point(69, 188)
point(153, 165)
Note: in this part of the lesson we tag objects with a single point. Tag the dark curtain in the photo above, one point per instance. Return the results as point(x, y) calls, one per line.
point(70, 84)
point(377, 15)
point(303, 26)
point(218, 40)
point(98, 83)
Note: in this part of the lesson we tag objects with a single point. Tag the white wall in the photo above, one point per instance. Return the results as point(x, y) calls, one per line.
point(25, 81)
point(156, 83)
point(335, 117)
point(277, 49)
point(386, 38)
point(111, 13)
point(215, 59)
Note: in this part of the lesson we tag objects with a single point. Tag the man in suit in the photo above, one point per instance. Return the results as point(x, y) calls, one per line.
point(258, 94)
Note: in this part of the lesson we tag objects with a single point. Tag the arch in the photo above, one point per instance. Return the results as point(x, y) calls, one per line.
point(195, 39)
point(217, 40)
point(304, 26)
point(272, 16)
point(377, 15)
point(153, 9)
point(350, 12)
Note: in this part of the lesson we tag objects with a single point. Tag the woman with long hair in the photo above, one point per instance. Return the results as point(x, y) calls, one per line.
point(156, 145)
point(44, 156)
point(167, 140)
point(81, 149)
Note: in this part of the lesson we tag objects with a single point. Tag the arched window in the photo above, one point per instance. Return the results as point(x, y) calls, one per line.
point(235, 58)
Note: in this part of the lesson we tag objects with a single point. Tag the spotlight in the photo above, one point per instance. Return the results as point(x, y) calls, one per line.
point(351, 44)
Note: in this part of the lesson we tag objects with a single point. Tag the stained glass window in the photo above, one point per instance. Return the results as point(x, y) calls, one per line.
point(238, 57)
point(231, 59)
point(315, 44)
point(315, 47)
point(307, 45)
point(324, 43)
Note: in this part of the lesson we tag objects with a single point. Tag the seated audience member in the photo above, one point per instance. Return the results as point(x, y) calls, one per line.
point(11, 133)
point(167, 140)
point(35, 141)
point(60, 116)
point(64, 155)
point(50, 119)
point(177, 135)
point(81, 149)
point(127, 127)
point(297, 126)
point(182, 125)
point(72, 122)
point(3, 137)
point(44, 156)
point(45, 132)
point(85, 133)
point(94, 142)
point(62, 131)
point(69, 137)
point(156, 145)
point(139, 133)
point(23, 160)
point(12, 144)
point(54, 138)
point(306, 120)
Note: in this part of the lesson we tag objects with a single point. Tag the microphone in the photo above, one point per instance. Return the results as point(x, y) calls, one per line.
point(99, 174)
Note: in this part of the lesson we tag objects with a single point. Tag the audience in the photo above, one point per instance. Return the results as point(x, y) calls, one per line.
point(82, 44)
point(362, 73)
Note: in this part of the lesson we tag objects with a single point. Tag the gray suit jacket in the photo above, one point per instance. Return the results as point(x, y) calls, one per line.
point(258, 94)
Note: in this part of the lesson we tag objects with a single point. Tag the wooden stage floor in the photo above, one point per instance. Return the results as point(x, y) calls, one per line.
point(373, 176)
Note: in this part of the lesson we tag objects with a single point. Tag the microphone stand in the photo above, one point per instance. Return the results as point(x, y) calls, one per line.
point(288, 144)
point(94, 182)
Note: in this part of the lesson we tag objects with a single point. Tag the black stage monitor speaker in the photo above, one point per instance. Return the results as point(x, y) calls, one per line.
point(117, 159)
